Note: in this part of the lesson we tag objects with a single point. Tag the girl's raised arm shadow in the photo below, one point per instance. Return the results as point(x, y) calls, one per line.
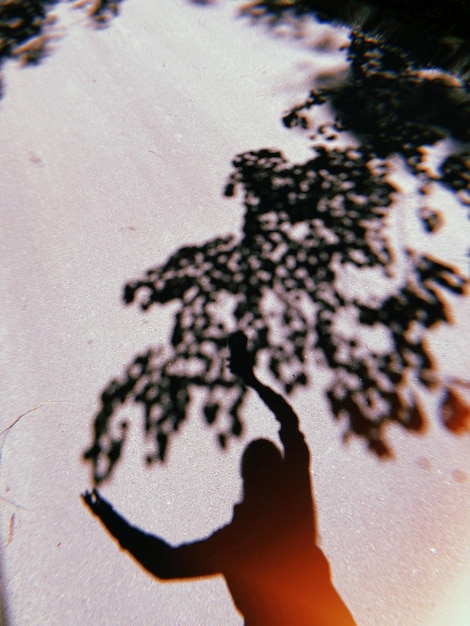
point(275, 571)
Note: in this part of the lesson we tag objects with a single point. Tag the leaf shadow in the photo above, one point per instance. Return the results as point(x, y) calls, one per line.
point(306, 223)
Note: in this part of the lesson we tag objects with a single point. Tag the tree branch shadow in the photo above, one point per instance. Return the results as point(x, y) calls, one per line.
point(304, 224)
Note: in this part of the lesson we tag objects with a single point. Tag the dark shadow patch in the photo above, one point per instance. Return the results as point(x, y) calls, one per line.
point(23, 26)
point(268, 553)
point(432, 33)
point(27, 27)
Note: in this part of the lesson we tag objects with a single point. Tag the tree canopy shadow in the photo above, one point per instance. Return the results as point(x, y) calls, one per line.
point(431, 33)
point(304, 224)
point(28, 28)
point(394, 107)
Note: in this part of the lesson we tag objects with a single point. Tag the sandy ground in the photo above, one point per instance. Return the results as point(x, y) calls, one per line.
point(114, 152)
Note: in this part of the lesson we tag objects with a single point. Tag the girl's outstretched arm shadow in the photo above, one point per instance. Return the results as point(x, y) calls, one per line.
point(276, 573)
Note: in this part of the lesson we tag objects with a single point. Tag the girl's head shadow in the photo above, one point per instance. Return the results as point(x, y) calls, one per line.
point(261, 469)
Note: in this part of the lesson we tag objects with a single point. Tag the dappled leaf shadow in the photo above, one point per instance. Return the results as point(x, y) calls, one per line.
point(100, 12)
point(394, 108)
point(432, 33)
point(306, 225)
point(23, 26)
point(387, 99)
point(28, 27)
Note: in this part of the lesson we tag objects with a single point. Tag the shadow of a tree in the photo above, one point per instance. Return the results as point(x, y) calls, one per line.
point(22, 27)
point(305, 226)
point(28, 27)
point(395, 108)
point(304, 223)
point(432, 33)
point(393, 98)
